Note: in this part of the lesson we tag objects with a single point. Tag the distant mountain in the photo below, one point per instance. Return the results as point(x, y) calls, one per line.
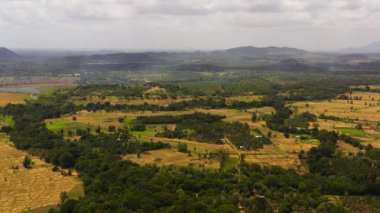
point(257, 52)
point(6, 54)
point(373, 47)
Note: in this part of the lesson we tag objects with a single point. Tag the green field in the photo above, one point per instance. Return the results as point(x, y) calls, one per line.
point(310, 141)
point(67, 125)
point(230, 163)
point(352, 132)
point(6, 121)
point(145, 133)
point(57, 125)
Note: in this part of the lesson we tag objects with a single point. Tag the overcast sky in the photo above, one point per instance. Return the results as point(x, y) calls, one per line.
point(188, 24)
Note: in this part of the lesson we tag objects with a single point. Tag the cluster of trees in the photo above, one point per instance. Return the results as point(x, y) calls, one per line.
point(109, 90)
point(355, 175)
point(186, 118)
point(207, 128)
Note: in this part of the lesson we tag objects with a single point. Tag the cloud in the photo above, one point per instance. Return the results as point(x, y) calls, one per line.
point(143, 20)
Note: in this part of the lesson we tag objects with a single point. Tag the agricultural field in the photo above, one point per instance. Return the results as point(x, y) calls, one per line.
point(283, 151)
point(365, 109)
point(172, 157)
point(13, 98)
point(24, 189)
point(215, 138)
point(362, 109)
point(102, 118)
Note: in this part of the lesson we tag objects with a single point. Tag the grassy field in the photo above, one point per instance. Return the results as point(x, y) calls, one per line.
point(352, 132)
point(26, 189)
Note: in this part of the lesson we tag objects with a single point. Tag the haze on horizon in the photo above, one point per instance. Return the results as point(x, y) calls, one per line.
point(188, 24)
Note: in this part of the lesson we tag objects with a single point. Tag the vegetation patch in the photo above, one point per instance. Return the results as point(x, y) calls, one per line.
point(352, 132)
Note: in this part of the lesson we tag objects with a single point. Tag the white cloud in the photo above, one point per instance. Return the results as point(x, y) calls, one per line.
point(183, 23)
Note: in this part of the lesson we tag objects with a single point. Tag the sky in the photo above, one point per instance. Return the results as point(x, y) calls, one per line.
point(188, 24)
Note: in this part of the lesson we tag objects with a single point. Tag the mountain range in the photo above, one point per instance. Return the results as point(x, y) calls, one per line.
point(373, 47)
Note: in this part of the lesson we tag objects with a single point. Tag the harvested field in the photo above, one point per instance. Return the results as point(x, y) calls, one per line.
point(365, 109)
point(333, 125)
point(13, 98)
point(272, 155)
point(105, 119)
point(199, 147)
point(348, 148)
point(169, 157)
point(246, 98)
point(24, 189)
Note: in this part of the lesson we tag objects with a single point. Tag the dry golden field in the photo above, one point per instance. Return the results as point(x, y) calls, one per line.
point(170, 157)
point(347, 148)
point(105, 119)
point(199, 146)
point(25, 189)
point(13, 98)
point(366, 109)
point(245, 98)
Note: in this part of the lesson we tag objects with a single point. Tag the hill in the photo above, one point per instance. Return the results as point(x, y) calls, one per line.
point(6, 54)
point(251, 51)
point(373, 47)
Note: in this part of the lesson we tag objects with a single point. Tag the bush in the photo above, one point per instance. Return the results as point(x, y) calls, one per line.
point(27, 163)
point(182, 147)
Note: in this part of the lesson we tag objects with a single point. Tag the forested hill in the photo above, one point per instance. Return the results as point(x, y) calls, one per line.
point(264, 52)
point(248, 58)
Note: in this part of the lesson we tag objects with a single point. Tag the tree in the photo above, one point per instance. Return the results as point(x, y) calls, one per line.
point(269, 134)
point(6, 129)
point(63, 197)
point(286, 134)
point(359, 127)
point(66, 160)
point(98, 130)
point(182, 147)
point(254, 117)
point(111, 128)
point(27, 163)
point(138, 127)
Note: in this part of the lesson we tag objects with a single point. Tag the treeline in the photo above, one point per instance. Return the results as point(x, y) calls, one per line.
point(203, 103)
point(129, 91)
point(186, 118)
